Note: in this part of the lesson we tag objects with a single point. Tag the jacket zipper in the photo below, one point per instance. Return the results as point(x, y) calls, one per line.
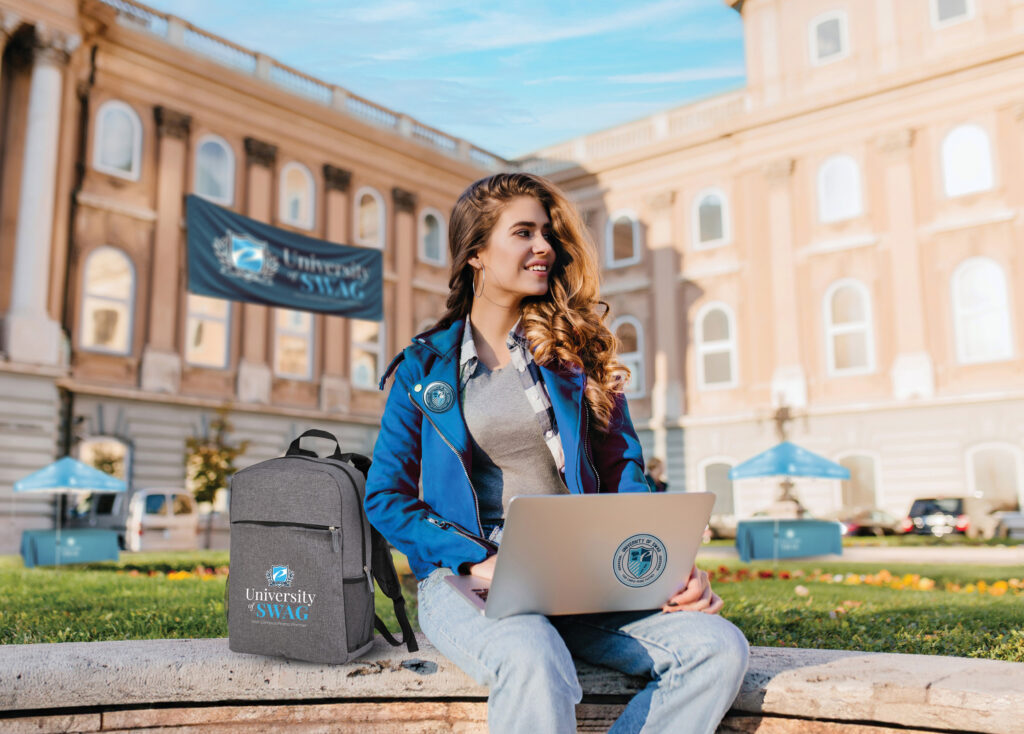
point(476, 503)
point(586, 446)
point(447, 525)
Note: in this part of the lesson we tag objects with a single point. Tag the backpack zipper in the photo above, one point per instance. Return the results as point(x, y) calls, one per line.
point(476, 503)
point(334, 531)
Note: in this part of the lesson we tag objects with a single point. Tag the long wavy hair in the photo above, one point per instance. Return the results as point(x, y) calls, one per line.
point(565, 326)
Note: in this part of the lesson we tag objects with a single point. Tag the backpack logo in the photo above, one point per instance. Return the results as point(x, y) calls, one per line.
point(438, 397)
point(280, 576)
point(639, 560)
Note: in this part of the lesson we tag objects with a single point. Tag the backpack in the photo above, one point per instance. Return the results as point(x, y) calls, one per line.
point(304, 558)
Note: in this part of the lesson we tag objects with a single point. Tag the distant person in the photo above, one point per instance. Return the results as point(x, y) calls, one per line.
point(518, 390)
point(655, 475)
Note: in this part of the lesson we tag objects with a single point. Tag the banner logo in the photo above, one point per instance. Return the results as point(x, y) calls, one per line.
point(245, 257)
point(639, 560)
point(280, 576)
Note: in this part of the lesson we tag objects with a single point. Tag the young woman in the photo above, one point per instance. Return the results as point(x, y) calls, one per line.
point(517, 390)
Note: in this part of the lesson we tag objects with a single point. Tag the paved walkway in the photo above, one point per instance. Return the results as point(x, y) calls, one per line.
point(963, 554)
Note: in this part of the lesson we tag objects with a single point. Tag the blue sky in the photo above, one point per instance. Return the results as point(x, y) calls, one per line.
point(510, 77)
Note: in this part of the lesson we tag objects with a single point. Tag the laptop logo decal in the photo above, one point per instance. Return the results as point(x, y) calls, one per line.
point(639, 560)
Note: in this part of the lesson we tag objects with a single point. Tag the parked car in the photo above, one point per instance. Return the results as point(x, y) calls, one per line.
point(1011, 525)
point(946, 515)
point(869, 521)
point(145, 519)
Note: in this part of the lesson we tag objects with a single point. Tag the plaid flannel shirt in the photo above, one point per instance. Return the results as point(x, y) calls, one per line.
point(529, 375)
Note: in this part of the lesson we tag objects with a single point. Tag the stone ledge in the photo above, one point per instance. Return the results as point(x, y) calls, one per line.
point(107, 686)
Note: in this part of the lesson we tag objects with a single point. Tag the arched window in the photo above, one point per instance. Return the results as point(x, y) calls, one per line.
point(630, 335)
point(207, 331)
point(995, 472)
point(622, 239)
point(849, 338)
point(432, 237)
point(950, 12)
point(370, 218)
point(839, 189)
point(829, 38)
point(108, 302)
point(117, 147)
point(861, 489)
point(716, 347)
point(293, 344)
point(215, 170)
point(367, 352)
point(297, 195)
point(981, 312)
point(966, 161)
point(710, 219)
point(715, 478)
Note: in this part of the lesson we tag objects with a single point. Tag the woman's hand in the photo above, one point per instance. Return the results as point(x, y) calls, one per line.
point(695, 595)
point(484, 569)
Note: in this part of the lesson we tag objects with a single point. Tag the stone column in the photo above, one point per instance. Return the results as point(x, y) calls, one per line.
point(912, 371)
point(789, 383)
point(9, 23)
point(29, 333)
point(161, 362)
point(405, 262)
point(335, 388)
point(667, 388)
point(254, 376)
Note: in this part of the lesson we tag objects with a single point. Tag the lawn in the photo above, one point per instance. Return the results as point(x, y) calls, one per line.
point(972, 611)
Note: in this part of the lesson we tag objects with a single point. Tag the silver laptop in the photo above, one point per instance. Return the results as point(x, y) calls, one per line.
point(577, 554)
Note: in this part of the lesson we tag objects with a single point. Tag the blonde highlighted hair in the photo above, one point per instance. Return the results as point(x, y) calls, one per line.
point(566, 325)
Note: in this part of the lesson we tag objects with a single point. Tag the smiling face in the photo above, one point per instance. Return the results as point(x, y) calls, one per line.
point(519, 256)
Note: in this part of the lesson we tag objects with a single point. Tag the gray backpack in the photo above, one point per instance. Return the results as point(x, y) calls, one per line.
point(304, 557)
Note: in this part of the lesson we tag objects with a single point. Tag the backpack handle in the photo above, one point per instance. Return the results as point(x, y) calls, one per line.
point(295, 450)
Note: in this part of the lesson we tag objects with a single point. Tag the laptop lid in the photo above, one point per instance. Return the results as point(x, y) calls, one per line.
point(578, 554)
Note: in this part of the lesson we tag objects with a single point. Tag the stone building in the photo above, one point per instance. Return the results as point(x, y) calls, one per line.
point(110, 113)
point(843, 236)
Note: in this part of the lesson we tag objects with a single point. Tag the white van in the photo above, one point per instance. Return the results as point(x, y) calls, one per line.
point(147, 519)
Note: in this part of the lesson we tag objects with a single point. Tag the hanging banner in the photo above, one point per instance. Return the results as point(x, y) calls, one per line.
point(240, 259)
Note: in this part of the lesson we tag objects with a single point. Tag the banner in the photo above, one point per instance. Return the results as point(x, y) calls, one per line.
point(240, 259)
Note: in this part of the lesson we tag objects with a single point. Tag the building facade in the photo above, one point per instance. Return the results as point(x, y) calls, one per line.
point(111, 114)
point(843, 237)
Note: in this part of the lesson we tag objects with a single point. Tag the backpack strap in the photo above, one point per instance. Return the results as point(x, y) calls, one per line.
point(383, 567)
point(296, 450)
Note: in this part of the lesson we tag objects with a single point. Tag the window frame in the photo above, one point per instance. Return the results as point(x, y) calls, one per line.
point(228, 200)
point(944, 166)
point(831, 330)
point(639, 355)
point(938, 24)
point(832, 160)
point(731, 345)
point(282, 203)
point(382, 218)
point(97, 144)
point(844, 37)
point(421, 224)
point(958, 312)
point(378, 349)
point(310, 346)
point(205, 317)
point(609, 240)
point(130, 304)
point(726, 238)
point(702, 479)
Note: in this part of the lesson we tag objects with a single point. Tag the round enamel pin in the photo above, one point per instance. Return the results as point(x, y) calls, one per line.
point(438, 396)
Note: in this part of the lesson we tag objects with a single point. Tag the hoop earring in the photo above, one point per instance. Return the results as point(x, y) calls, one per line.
point(483, 276)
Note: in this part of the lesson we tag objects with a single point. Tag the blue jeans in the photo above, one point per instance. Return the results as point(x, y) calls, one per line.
point(696, 662)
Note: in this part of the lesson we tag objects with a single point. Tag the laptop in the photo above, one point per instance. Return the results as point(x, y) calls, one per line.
point(578, 554)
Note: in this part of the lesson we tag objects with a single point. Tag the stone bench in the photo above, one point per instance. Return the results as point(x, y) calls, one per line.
point(200, 686)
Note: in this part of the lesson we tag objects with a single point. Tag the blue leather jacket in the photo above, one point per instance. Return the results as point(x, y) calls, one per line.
point(426, 438)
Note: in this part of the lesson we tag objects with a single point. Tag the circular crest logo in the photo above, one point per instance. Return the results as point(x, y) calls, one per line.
point(639, 560)
point(438, 396)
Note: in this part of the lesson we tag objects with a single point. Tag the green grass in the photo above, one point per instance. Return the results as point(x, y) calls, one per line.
point(106, 601)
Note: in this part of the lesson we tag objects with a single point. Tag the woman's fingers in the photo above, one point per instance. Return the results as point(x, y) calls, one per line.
point(696, 596)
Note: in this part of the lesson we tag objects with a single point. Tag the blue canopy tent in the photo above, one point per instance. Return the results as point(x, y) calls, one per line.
point(64, 476)
point(789, 538)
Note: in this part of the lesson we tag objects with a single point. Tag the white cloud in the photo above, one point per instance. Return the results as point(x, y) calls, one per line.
point(679, 76)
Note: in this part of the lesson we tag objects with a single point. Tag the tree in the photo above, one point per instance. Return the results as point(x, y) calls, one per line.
point(210, 462)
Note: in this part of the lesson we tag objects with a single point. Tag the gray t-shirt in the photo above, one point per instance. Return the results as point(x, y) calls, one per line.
point(510, 457)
